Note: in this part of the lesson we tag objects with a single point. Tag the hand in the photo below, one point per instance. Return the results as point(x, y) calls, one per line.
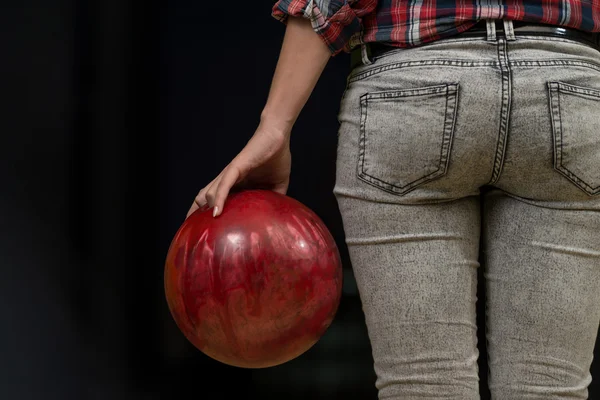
point(264, 163)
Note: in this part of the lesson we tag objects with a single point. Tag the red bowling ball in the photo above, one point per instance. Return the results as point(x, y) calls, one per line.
point(257, 286)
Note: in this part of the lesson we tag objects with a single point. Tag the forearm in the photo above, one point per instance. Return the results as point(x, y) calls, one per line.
point(301, 62)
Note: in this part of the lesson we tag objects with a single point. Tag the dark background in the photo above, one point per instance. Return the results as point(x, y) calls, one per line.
point(114, 114)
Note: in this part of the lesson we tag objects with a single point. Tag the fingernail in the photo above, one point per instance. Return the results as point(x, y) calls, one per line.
point(215, 211)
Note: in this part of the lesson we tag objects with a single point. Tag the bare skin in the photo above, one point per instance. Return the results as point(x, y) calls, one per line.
point(265, 161)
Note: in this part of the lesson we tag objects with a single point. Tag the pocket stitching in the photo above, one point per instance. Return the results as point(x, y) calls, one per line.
point(555, 89)
point(451, 94)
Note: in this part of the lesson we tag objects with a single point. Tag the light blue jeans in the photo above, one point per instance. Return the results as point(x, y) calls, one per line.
point(467, 143)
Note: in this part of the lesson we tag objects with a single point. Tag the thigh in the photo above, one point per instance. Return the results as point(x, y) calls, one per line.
point(413, 152)
point(416, 270)
point(542, 270)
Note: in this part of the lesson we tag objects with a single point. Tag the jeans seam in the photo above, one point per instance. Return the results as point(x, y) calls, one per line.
point(555, 63)
point(408, 64)
point(354, 77)
point(504, 112)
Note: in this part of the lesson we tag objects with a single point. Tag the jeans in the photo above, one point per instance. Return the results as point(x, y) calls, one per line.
point(470, 152)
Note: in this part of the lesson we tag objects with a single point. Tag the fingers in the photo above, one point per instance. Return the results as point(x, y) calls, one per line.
point(230, 177)
point(262, 151)
point(215, 193)
point(192, 209)
point(200, 200)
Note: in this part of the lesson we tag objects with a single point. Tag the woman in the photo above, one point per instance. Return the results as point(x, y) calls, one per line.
point(462, 123)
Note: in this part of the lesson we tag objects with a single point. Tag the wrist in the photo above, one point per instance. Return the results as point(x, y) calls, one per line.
point(276, 124)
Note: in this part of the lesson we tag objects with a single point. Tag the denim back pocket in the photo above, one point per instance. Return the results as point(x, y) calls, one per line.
point(575, 113)
point(406, 136)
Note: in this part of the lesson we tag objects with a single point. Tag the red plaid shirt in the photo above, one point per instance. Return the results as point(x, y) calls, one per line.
point(344, 24)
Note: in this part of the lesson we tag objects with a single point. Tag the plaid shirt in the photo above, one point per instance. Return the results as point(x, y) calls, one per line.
point(344, 24)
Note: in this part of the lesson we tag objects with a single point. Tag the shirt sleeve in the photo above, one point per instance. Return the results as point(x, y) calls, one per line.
point(335, 21)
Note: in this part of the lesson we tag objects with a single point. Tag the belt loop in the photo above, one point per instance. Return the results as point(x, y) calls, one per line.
point(509, 30)
point(491, 29)
point(365, 51)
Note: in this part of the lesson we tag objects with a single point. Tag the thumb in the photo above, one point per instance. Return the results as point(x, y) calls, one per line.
point(281, 188)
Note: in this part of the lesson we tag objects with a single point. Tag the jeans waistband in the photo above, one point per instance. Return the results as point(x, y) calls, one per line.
point(486, 30)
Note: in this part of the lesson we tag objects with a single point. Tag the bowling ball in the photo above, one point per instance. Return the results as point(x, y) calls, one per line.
point(256, 286)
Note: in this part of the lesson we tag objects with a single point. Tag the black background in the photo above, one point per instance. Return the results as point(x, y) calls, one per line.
point(114, 115)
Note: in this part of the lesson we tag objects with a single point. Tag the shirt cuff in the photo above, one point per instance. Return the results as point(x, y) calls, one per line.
point(335, 30)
